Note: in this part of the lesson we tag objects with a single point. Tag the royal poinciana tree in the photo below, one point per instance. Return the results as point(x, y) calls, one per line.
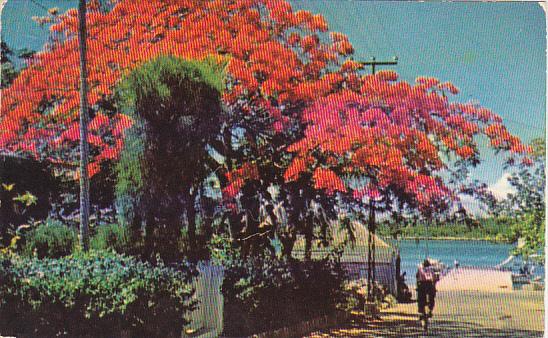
point(302, 125)
point(277, 64)
point(391, 141)
point(391, 144)
point(258, 37)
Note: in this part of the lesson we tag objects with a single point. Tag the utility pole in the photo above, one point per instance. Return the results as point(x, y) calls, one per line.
point(84, 146)
point(371, 224)
point(373, 63)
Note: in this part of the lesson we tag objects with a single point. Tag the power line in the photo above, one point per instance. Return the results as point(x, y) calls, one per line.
point(36, 3)
point(374, 63)
point(522, 124)
point(374, 41)
point(383, 29)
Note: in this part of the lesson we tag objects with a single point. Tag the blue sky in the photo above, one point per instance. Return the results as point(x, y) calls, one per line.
point(494, 52)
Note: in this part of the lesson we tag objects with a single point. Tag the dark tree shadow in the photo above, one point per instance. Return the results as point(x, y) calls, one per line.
point(400, 324)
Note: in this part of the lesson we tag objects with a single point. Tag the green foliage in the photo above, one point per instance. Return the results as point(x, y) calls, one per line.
point(175, 105)
point(266, 293)
point(113, 237)
point(26, 199)
point(222, 251)
point(355, 295)
point(526, 206)
point(494, 229)
point(7, 69)
point(129, 183)
point(51, 239)
point(355, 292)
point(529, 234)
point(389, 301)
point(27, 188)
point(163, 79)
point(539, 148)
point(92, 294)
point(11, 249)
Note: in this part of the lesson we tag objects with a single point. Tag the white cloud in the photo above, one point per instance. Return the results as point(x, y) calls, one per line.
point(473, 206)
point(2, 4)
point(543, 5)
point(502, 187)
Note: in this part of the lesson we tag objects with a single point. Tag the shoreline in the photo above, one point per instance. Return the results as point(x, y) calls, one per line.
point(453, 238)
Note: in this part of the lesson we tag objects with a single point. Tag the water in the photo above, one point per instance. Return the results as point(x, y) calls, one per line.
point(468, 253)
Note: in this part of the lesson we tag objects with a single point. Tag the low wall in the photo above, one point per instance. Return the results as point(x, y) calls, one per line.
point(207, 320)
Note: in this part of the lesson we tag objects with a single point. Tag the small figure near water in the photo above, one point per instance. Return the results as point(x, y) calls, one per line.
point(426, 290)
point(456, 264)
point(404, 294)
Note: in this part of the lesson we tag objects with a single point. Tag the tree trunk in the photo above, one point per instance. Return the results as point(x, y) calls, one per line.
point(288, 242)
point(191, 219)
point(371, 227)
point(84, 146)
point(136, 226)
point(308, 248)
point(308, 237)
point(207, 224)
point(149, 238)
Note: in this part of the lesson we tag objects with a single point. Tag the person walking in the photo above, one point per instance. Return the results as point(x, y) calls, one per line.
point(426, 289)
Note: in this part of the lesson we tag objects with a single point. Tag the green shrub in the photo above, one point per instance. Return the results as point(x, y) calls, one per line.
point(389, 301)
point(356, 295)
point(50, 239)
point(113, 237)
point(264, 294)
point(21, 178)
point(93, 294)
point(175, 105)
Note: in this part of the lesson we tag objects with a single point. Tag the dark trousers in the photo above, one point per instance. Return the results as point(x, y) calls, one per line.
point(426, 295)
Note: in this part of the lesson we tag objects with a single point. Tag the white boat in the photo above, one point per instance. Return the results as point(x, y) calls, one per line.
point(522, 272)
point(519, 278)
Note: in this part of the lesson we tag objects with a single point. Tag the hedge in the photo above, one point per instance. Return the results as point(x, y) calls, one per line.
point(263, 294)
point(50, 239)
point(96, 294)
point(114, 237)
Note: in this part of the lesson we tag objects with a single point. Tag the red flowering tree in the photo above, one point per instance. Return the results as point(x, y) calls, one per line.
point(392, 144)
point(272, 51)
point(284, 72)
point(398, 137)
point(277, 64)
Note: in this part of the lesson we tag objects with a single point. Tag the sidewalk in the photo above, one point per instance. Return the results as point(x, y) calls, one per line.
point(475, 279)
point(457, 314)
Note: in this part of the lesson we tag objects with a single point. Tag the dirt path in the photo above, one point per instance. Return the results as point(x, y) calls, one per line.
point(457, 314)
